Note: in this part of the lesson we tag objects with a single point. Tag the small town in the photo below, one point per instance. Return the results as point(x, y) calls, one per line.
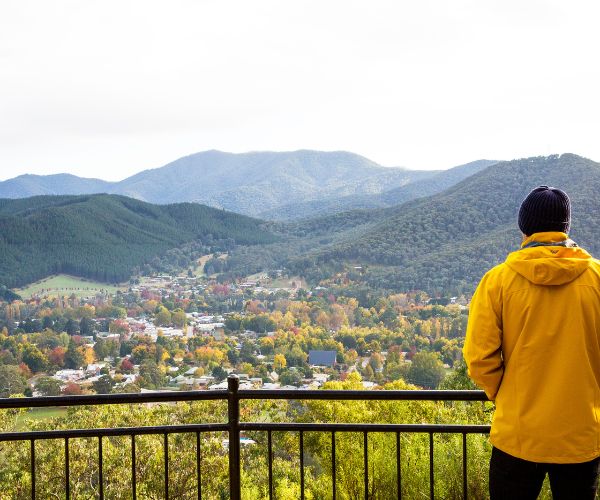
point(174, 333)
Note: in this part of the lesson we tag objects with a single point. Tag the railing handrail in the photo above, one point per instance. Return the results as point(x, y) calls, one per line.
point(267, 394)
point(113, 431)
point(112, 399)
point(365, 395)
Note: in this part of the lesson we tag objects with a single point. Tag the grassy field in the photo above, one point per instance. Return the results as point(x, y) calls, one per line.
point(39, 414)
point(63, 284)
point(199, 271)
point(283, 282)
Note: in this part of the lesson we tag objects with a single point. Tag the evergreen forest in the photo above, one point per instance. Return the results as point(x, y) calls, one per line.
point(107, 237)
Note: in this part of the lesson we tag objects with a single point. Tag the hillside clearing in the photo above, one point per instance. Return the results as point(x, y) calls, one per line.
point(64, 284)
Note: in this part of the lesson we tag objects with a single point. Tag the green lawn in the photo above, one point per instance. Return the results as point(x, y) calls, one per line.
point(39, 414)
point(287, 282)
point(283, 282)
point(199, 270)
point(63, 284)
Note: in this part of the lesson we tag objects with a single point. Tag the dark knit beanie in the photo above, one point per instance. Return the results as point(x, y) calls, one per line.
point(545, 209)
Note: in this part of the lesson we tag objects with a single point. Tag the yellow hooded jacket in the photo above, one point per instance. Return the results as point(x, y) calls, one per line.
point(533, 345)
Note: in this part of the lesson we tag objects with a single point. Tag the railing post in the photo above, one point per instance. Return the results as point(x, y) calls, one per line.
point(233, 412)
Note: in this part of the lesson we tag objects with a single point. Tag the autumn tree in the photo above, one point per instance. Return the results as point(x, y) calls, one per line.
point(56, 356)
point(279, 362)
point(72, 389)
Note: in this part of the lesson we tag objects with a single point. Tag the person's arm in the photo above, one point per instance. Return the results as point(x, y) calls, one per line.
point(483, 343)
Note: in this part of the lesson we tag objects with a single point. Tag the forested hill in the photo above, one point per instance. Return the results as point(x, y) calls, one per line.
point(444, 243)
point(419, 188)
point(28, 185)
point(105, 237)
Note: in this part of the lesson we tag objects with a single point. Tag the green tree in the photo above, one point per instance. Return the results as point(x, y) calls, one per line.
point(296, 356)
point(163, 316)
point(48, 386)
point(219, 373)
point(459, 379)
point(290, 377)
point(35, 359)
point(86, 326)
point(101, 349)
point(12, 381)
point(103, 385)
point(73, 357)
point(179, 318)
point(150, 375)
point(426, 370)
point(72, 327)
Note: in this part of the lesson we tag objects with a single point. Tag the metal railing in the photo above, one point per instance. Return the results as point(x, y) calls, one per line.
point(234, 427)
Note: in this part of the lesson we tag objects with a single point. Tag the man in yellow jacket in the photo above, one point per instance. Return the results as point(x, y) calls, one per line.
point(533, 345)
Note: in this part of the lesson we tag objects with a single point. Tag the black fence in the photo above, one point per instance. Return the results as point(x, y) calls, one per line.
point(234, 427)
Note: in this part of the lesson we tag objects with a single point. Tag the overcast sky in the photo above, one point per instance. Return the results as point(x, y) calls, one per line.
point(103, 88)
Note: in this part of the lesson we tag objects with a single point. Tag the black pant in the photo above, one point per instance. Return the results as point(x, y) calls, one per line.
point(512, 478)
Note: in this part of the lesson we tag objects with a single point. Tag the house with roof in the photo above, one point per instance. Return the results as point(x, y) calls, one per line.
point(322, 358)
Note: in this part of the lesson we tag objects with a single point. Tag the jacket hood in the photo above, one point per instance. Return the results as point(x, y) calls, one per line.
point(545, 264)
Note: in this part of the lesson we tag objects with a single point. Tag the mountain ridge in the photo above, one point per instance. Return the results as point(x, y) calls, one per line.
point(436, 183)
point(249, 183)
point(441, 244)
point(423, 242)
point(24, 185)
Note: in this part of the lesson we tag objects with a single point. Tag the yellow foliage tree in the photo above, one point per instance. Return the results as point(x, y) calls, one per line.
point(279, 362)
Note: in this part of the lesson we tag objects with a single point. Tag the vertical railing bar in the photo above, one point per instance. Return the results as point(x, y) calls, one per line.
point(333, 463)
point(166, 451)
point(100, 472)
point(67, 471)
point(366, 464)
point(270, 450)
point(464, 457)
point(198, 465)
point(431, 479)
point(398, 466)
point(233, 421)
point(32, 469)
point(301, 465)
point(133, 473)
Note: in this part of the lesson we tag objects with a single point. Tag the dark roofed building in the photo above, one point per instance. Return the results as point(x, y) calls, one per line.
point(322, 358)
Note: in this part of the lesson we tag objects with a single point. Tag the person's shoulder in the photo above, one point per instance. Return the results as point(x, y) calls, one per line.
point(495, 276)
point(497, 271)
point(595, 265)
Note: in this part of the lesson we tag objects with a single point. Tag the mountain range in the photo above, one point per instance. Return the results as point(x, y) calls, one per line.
point(271, 185)
point(447, 241)
point(441, 243)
